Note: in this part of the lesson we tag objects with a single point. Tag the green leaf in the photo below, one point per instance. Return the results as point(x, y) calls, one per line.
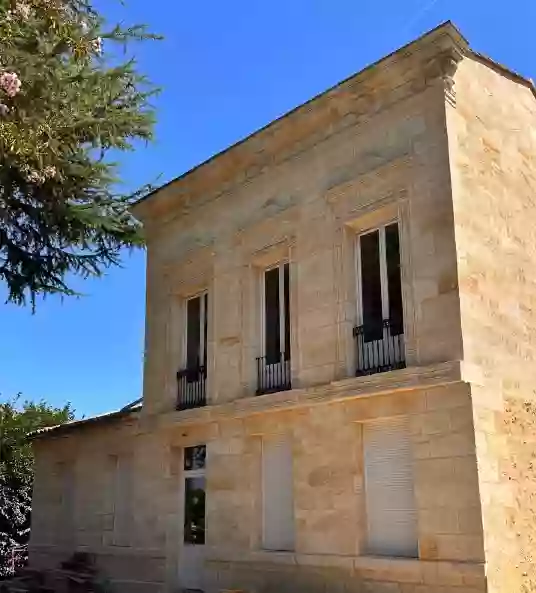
point(73, 109)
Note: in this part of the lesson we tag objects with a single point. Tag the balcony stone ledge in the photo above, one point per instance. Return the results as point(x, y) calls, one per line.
point(406, 379)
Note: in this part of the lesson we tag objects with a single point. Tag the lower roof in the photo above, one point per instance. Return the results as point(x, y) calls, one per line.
point(127, 410)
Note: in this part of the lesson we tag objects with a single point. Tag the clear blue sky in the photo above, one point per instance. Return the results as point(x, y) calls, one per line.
point(226, 68)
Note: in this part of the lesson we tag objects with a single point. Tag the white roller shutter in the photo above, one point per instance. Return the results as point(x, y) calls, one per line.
point(390, 500)
point(277, 494)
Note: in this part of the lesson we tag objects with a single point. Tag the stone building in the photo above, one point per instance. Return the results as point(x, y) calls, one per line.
point(339, 389)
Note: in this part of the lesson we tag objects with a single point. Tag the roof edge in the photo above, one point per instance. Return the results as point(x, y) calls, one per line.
point(502, 69)
point(447, 26)
point(52, 431)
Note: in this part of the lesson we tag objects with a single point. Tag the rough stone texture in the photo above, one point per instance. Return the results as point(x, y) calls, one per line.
point(83, 518)
point(493, 158)
point(328, 489)
point(453, 164)
point(326, 181)
point(350, 575)
point(329, 497)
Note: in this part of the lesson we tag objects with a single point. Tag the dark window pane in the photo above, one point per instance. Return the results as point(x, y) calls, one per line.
point(286, 275)
point(371, 288)
point(195, 457)
point(205, 330)
point(271, 300)
point(392, 248)
point(194, 511)
point(193, 337)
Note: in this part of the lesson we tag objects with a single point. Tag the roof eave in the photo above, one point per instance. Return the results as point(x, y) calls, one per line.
point(141, 208)
point(53, 431)
point(504, 70)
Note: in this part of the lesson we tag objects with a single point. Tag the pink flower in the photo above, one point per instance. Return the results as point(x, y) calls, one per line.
point(10, 83)
point(96, 45)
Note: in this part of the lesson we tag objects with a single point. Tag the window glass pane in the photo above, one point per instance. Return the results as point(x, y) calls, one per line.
point(194, 511)
point(371, 288)
point(286, 276)
point(195, 457)
point(392, 252)
point(271, 300)
point(193, 337)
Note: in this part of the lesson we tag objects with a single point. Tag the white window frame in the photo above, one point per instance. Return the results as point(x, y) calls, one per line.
point(194, 473)
point(383, 270)
point(202, 314)
point(282, 313)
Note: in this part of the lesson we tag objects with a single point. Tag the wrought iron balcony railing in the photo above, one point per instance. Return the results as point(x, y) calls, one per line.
point(380, 347)
point(191, 388)
point(273, 375)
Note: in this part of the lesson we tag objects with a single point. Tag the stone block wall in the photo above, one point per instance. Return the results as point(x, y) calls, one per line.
point(371, 576)
point(493, 161)
point(458, 172)
point(79, 504)
point(329, 501)
point(218, 227)
point(330, 515)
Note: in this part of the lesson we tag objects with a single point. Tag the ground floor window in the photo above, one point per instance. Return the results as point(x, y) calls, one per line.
point(194, 495)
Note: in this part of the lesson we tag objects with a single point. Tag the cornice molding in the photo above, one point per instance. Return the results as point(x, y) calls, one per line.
point(395, 78)
point(442, 68)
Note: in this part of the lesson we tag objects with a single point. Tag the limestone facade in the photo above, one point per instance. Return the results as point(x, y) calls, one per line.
point(493, 150)
point(438, 139)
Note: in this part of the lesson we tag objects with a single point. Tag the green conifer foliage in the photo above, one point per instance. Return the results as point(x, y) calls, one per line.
point(68, 100)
